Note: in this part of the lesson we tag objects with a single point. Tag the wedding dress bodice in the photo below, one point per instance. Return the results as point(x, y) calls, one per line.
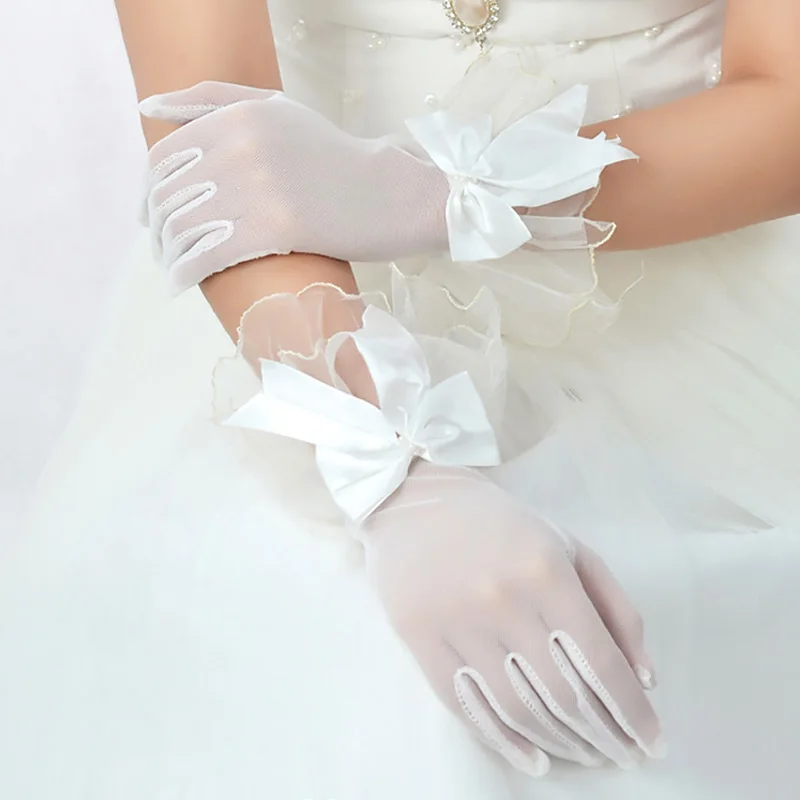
point(385, 60)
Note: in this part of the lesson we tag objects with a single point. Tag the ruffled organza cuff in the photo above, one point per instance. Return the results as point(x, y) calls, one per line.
point(373, 381)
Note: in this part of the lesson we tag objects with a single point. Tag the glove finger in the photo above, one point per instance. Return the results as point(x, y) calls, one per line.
point(164, 245)
point(453, 682)
point(184, 201)
point(497, 727)
point(195, 240)
point(169, 203)
point(593, 720)
point(618, 614)
point(578, 631)
point(203, 98)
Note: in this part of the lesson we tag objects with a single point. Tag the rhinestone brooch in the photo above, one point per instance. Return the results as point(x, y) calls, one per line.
point(473, 18)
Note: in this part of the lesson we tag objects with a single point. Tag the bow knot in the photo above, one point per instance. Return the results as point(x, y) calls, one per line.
point(461, 183)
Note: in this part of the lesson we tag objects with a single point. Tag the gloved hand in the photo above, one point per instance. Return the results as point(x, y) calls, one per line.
point(252, 173)
point(520, 629)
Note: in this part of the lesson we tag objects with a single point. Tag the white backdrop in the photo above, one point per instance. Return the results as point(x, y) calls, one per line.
point(71, 164)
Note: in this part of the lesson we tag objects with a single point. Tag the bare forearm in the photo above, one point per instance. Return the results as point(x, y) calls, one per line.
point(711, 163)
point(224, 40)
point(720, 160)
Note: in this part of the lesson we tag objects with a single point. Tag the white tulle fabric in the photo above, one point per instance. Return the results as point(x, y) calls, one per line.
point(253, 173)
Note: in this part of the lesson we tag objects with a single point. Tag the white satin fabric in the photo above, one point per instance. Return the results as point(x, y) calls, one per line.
point(187, 617)
point(533, 21)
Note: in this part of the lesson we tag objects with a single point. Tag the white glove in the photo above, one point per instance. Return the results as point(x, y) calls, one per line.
point(519, 629)
point(253, 173)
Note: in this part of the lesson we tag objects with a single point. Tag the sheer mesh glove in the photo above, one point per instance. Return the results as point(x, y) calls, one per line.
point(521, 630)
point(252, 173)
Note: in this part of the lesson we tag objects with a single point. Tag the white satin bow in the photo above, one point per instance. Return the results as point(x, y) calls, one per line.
point(363, 451)
point(539, 159)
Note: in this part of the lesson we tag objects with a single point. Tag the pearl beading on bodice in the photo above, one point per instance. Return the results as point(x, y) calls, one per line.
point(388, 46)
